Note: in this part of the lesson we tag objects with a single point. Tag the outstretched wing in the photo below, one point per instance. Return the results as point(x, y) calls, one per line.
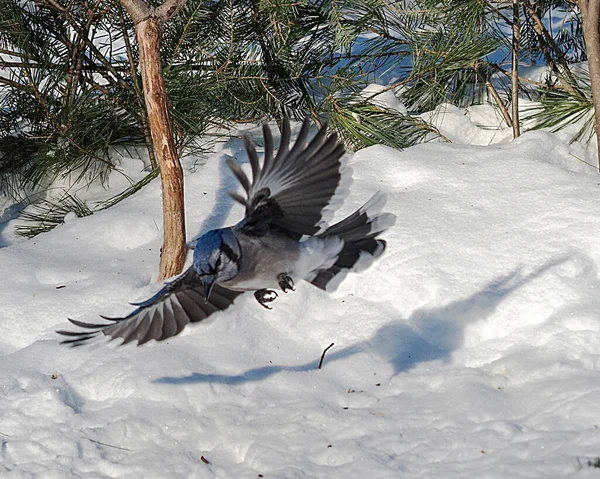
point(294, 189)
point(162, 316)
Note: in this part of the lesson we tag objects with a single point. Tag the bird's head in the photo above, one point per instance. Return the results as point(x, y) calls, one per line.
point(216, 258)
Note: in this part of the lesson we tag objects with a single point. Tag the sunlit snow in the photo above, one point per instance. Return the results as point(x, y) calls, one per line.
point(471, 349)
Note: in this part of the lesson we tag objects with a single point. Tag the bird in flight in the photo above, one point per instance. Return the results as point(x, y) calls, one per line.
point(283, 238)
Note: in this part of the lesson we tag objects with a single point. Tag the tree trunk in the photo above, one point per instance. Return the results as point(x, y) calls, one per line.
point(148, 35)
point(515, 69)
point(590, 12)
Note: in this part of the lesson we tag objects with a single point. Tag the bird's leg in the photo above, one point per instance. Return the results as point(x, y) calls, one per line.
point(285, 282)
point(265, 296)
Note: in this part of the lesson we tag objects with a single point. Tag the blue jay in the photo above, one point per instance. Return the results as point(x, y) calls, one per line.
point(283, 238)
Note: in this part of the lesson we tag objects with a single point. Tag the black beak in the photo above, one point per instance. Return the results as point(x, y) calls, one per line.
point(208, 287)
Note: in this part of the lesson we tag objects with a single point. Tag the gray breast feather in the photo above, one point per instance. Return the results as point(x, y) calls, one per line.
point(262, 259)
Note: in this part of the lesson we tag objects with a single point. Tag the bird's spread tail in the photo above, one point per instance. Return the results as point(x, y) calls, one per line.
point(359, 232)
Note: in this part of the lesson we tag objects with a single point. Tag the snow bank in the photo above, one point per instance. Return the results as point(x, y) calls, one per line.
point(471, 349)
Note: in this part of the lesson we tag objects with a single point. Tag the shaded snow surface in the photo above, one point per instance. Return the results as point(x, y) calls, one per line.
point(470, 350)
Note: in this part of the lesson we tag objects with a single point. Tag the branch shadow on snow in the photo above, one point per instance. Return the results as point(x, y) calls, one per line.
point(10, 213)
point(427, 335)
point(228, 182)
point(256, 374)
point(223, 203)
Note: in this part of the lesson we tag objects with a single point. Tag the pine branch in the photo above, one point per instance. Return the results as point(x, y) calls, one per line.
point(88, 67)
point(89, 44)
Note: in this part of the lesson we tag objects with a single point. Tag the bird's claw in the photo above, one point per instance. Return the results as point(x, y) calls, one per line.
point(285, 282)
point(265, 296)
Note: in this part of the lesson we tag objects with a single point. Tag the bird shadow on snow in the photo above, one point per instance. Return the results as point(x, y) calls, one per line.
point(434, 333)
point(427, 335)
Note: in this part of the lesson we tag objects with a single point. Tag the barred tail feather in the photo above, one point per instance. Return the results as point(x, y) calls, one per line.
point(359, 232)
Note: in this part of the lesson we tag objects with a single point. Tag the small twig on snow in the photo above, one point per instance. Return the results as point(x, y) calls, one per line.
point(323, 355)
point(107, 445)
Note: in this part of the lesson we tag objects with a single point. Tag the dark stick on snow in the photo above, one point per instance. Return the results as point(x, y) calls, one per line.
point(323, 355)
point(107, 445)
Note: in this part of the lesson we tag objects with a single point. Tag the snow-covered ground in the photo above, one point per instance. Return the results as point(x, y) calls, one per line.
point(470, 350)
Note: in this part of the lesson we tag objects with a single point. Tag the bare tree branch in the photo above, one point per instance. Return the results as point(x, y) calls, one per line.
point(138, 10)
point(148, 34)
point(169, 9)
point(138, 91)
point(545, 39)
point(515, 69)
